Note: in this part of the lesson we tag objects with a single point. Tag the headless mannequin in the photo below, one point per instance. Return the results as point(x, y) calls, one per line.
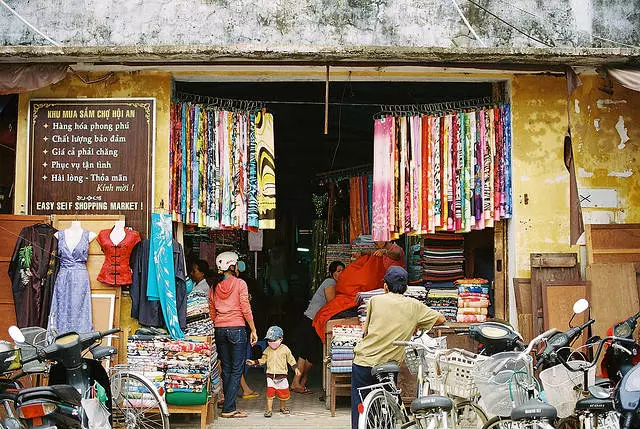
point(73, 234)
point(117, 233)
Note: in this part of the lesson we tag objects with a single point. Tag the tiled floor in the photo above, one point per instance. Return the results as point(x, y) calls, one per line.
point(306, 412)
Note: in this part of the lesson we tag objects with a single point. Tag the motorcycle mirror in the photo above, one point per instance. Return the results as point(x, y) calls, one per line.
point(580, 306)
point(599, 392)
point(16, 334)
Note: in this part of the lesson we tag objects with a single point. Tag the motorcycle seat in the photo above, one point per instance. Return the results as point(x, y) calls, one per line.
point(593, 404)
point(57, 393)
point(534, 409)
point(100, 352)
point(386, 368)
point(430, 403)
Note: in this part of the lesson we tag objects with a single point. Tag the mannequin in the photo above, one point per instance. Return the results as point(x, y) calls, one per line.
point(118, 233)
point(73, 234)
point(117, 245)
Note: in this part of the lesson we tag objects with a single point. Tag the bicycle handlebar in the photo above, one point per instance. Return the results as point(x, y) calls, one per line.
point(539, 338)
point(584, 368)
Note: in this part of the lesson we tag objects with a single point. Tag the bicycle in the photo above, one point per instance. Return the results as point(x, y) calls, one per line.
point(383, 407)
point(136, 403)
point(594, 406)
point(510, 391)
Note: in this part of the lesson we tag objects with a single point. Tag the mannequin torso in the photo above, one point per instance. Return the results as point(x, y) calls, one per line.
point(73, 234)
point(117, 233)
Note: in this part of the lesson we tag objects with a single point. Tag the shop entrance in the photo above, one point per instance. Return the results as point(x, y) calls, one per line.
point(308, 163)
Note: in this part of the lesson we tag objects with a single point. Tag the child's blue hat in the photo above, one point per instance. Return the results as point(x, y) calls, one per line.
point(274, 333)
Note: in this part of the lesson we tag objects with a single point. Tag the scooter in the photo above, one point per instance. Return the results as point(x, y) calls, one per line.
point(627, 399)
point(9, 364)
point(71, 378)
point(621, 356)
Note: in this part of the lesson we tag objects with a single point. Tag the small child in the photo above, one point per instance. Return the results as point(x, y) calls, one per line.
point(276, 356)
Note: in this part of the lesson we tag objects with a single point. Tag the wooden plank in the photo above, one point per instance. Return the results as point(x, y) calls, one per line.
point(554, 260)
point(558, 298)
point(522, 289)
point(615, 243)
point(549, 267)
point(500, 254)
point(525, 326)
point(614, 294)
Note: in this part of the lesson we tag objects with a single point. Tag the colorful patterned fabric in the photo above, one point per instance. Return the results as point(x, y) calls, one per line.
point(222, 167)
point(449, 172)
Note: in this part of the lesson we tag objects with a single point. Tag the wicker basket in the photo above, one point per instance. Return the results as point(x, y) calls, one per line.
point(456, 373)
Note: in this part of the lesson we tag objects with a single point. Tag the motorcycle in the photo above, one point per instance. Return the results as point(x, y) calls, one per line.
point(9, 386)
point(72, 378)
point(621, 356)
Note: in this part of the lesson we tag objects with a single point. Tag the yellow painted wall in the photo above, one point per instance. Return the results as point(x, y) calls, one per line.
point(539, 105)
point(540, 180)
point(121, 85)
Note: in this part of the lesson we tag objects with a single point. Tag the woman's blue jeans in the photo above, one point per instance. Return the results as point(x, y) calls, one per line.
point(232, 349)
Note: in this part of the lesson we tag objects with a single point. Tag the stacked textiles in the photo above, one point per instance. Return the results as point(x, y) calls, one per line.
point(443, 257)
point(145, 353)
point(345, 338)
point(473, 300)
point(188, 366)
point(361, 244)
point(414, 261)
point(444, 301)
point(418, 292)
point(338, 252)
point(362, 299)
point(198, 321)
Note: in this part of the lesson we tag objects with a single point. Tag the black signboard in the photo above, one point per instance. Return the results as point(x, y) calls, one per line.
point(92, 156)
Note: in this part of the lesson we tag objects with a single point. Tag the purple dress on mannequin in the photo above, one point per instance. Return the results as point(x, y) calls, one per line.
point(71, 301)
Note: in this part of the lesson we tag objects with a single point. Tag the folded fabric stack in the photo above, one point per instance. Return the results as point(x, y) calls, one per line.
point(198, 321)
point(362, 299)
point(473, 300)
point(146, 354)
point(445, 301)
point(418, 292)
point(338, 252)
point(443, 257)
point(345, 338)
point(361, 244)
point(188, 366)
point(414, 261)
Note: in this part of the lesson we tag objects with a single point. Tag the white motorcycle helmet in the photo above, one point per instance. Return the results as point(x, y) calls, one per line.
point(226, 260)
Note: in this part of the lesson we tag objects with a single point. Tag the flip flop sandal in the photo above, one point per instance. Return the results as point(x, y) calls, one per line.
point(285, 411)
point(305, 391)
point(268, 413)
point(252, 395)
point(233, 415)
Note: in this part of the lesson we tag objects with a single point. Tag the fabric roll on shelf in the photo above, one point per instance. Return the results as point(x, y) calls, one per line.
point(338, 252)
point(443, 257)
point(344, 340)
point(473, 300)
point(362, 299)
point(445, 301)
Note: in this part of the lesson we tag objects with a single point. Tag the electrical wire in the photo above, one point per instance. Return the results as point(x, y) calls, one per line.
point(510, 25)
point(613, 41)
point(91, 82)
point(468, 25)
point(28, 24)
point(344, 90)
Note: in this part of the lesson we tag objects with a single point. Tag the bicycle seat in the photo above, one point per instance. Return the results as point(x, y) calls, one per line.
point(58, 393)
point(386, 368)
point(100, 352)
point(534, 409)
point(593, 404)
point(428, 403)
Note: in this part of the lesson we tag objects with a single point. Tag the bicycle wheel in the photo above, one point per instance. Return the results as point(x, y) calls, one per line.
point(469, 415)
point(378, 413)
point(498, 422)
point(136, 403)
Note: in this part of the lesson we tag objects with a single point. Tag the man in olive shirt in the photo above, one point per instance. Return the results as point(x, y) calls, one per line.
point(390, 317)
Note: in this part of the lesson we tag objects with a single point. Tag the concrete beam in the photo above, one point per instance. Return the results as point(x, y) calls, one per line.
point(493, 58)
